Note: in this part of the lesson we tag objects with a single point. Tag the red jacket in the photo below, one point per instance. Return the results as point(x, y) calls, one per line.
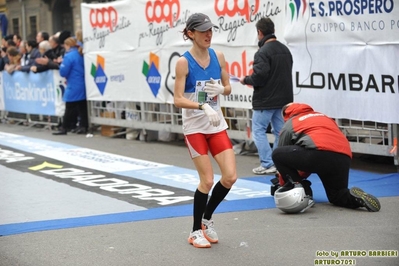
point(312, 130)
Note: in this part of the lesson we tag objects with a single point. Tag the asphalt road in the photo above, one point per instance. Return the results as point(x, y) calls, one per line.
point(323, 235)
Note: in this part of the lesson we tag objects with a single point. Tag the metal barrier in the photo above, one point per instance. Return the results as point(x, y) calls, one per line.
point(44, 121)
point(364, 137)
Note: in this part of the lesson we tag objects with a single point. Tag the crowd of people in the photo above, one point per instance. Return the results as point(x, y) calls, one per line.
point(60, 51)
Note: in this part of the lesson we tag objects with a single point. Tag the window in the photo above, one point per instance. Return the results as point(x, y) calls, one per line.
point(33, 25)
point(15, 26)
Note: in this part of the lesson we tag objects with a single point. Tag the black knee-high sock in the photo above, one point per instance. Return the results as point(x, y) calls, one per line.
point(200, 200)
point(218, 194)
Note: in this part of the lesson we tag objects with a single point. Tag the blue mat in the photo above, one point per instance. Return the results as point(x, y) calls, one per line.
point(379, 185)
point(386, 185)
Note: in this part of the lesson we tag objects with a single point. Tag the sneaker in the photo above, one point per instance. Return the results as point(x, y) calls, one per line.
point(371, 203)
point(209, 231)
point(198, 240)
point(262, 170)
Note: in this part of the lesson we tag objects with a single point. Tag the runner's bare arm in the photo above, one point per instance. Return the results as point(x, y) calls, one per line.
point(181, 72)
point(224, 74)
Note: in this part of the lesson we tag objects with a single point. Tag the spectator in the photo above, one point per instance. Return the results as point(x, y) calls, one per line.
point(72, 68)
point(272, 83)
point(56, 46)
point(24, 54)
point(57, 53)
point(4, 58)
point(33, 53)
point(17, 40)
point(45, 62)
point(64, 35)
point(79, 37)
point(11, 43)
point(42, 36)
point(5, 39)
point(14, 58)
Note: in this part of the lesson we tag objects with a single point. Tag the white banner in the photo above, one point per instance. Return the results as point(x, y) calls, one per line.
point(344, 51)
point(109, 27)
point(137, 62)
point(345, 57)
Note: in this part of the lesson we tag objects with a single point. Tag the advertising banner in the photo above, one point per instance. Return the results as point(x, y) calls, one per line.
point(33, 93)
point(131, 24)
point(345, 57)
point(146, 53)
point(344, 51)
point(109, 27)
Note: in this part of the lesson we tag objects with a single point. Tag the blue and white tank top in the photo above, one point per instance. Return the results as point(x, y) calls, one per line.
point(196, 121)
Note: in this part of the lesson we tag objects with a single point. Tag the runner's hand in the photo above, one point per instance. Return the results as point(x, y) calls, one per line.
point(213, 88)
point(213, 116)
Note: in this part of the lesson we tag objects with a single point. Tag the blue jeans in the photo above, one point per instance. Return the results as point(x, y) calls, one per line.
point(260, 121)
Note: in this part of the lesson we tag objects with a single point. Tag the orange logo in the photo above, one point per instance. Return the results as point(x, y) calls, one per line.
point(103, 17)
point(223, 8)
point(162, 11)
point(240, 69)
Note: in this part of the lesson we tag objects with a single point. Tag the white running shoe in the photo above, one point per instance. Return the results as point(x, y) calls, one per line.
point(209, 231)
point(198, 240)
point(262, 170)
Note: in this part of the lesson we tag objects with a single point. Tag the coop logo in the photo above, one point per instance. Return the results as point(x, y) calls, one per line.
point(104, 17)
point(97, 72)
point(157, 11)
point(104, 22)
point(295, 7)
point(222, 8)
point(150, 71)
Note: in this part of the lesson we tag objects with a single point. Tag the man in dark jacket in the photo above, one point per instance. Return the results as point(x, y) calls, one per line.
point(311, 142)
point(272, 83)
point(32, 54)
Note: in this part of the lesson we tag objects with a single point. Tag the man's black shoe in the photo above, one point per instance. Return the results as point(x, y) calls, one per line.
point(61, 132)
point(81, 131)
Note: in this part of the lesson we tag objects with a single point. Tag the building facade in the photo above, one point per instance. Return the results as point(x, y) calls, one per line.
point(28, 17)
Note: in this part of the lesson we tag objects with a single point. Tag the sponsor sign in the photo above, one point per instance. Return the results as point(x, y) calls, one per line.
point(344, 54)
point(343, 51)
point(32, 93)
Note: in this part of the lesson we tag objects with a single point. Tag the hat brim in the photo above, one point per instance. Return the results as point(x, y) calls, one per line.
point(206, 26)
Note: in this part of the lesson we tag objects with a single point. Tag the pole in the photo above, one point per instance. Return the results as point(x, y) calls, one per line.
point(23, 19)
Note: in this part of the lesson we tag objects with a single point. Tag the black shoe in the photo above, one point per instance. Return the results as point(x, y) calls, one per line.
point(61, 132)
point(81, 131)
point(371, 203)
point(74, 130)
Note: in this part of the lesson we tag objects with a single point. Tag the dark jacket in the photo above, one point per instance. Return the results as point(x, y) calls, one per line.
point(272, 76)
point(31, 59)
point(50, 65)
point(312, 130)
point(58, 51)
point(3, 62)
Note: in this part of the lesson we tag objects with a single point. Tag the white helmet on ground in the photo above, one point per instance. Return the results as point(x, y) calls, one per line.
point(291, 199)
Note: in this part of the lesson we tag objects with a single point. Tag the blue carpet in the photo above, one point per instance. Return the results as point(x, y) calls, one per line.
point(379, 185)
point(386, 185)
